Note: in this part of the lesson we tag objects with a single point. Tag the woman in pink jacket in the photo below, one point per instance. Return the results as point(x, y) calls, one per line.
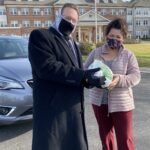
point(113, 106)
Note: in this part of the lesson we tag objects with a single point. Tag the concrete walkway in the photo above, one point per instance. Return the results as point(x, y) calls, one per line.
point(145, 69)
point(141, 116)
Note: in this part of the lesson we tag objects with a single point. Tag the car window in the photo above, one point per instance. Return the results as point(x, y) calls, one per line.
point(13, 48)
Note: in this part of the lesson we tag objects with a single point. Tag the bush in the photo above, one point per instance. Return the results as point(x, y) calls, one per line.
point(132, 41)
point(145, 39)
point(86, 48)
point(99, 44)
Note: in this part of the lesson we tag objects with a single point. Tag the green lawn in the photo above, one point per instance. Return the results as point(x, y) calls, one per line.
point(141, 51)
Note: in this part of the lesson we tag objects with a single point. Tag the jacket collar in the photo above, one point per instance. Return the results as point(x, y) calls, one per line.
point(64, 44)
point(105, 50)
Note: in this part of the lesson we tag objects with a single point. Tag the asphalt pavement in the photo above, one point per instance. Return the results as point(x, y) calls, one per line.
point(141, 116)
point(19, 136)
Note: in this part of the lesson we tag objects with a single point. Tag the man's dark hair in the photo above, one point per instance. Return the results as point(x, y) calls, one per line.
point(120, 24)
point(70, 5)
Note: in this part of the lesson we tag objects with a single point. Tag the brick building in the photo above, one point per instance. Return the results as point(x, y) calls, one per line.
point(20, 17)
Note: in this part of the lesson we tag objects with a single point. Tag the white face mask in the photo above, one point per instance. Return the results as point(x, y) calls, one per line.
point(64, 26)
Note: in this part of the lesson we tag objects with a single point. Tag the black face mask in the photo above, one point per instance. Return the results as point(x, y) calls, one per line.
point(66, 27)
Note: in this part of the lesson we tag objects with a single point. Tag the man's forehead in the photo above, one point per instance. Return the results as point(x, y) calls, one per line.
point(66, 9)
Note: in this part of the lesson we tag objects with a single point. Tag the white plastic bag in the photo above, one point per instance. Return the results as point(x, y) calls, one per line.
point(105, 71)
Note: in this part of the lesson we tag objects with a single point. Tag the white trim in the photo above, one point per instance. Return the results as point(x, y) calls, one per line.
point(98, 15)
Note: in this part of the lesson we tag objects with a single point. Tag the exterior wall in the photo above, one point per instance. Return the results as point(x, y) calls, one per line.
point(3, 17)
point(138, 18)
point(23, 18)
point(141, 24)
point(10, 31)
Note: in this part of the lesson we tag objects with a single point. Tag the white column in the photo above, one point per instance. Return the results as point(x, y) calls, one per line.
point(100, 33)
point(90, 35)
point(79, 34)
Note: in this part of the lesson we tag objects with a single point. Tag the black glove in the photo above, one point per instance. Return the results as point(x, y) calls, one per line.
point(90, 80)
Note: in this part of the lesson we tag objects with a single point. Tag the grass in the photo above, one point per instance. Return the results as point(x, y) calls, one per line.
point(141, 51)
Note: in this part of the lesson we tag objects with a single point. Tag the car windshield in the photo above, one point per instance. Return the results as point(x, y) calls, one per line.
point(13, 48)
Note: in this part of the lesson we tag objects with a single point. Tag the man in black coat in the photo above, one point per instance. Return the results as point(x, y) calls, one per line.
point(58, 111)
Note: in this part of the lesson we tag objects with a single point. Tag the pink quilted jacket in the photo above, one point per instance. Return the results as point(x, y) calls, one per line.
point(121, 97)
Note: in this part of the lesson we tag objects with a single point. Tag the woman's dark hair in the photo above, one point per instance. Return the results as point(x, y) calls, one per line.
point(70, 5)
point(120, 24)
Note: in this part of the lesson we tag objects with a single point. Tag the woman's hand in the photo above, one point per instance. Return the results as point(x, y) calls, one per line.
point(114, 82)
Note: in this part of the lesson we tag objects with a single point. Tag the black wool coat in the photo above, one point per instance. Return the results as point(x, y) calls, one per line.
point(58, 111)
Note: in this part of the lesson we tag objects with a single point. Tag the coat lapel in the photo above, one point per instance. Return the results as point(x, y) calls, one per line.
point(79, 55)
point(62, 41)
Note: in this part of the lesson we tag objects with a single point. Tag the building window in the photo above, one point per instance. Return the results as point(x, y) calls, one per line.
point(47, 23)
point(145, 12)
point(105, 1)
point(25, 23)
point(47, 11)
point(121, 11)
point(2, 12)
point(103, 11)
point(36, 11)
point(114, 1)
point(14, 23)
point(37, 23)
point(24, 11)
point(13, 11)
point(3, 24)
point(145, 34)
point(82, 11)
point(58, 11)
point(138, 12)
point(114, 12)
point(130, 23)
point(145, 22)
point(138, 34)
point(129, 12)
point(138, 22)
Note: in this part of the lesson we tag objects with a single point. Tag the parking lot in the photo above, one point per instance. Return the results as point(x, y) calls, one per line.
point(19, 136)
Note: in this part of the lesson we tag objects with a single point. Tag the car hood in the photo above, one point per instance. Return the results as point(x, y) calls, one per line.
point(17, 69)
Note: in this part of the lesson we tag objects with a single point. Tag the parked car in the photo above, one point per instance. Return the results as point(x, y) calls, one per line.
point(15, 80)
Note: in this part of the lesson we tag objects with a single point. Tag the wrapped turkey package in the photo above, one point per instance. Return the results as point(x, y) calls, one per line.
point(104, 71)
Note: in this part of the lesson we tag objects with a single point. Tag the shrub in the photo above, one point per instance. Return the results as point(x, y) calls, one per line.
point(86, 48)
point(99, 44)
point(132, 41)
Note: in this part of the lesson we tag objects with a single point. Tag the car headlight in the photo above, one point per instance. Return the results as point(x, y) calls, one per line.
point(6, 84)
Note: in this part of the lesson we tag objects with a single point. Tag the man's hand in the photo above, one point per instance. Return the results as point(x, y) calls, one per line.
point(90, 80)
point(114, 82)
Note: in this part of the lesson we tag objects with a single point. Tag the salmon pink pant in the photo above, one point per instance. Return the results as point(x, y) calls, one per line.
point(117, 123)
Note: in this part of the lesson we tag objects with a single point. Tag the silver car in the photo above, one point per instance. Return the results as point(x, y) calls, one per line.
point(15, 80)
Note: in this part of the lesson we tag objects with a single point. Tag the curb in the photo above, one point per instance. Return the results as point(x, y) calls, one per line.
point(145, 70)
